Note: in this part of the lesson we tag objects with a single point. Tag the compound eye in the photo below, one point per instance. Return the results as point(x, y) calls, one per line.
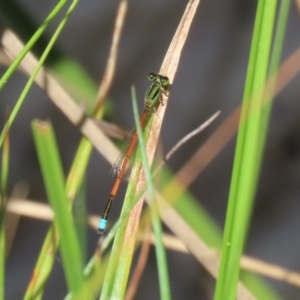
point(164, 80)
point(152, 76)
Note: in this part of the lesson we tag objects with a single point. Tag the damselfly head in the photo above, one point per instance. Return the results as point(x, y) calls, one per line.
point(160, 79)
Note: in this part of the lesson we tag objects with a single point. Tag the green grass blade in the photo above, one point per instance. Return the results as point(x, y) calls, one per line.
point(248, 153)
point(2, 248)
point(3, 199)
point(55, 187)
point(163, 275)
point(43, 266)
point(274, 64)
point(4, 170)
point(31, 43)
point(36, 70)
point(68, 72)
point(117, 273)
point(252, 282)
point(45, 261)
point(161, 256)
point(74, 180)
point(280, 31)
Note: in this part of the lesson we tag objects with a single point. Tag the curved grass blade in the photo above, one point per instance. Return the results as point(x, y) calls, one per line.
point(55, 187)
point(250, 280)
point(164, 281)
point(248, 153)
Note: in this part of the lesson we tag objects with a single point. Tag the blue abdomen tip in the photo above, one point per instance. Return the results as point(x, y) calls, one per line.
point(102, 224)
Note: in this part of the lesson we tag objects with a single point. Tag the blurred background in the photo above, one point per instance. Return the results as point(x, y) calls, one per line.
point(210, 77)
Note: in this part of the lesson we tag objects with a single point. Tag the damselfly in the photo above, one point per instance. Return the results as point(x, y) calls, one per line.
point(153, 98)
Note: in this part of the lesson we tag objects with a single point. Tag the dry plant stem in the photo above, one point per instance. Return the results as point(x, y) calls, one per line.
point(40, 211)
point(29, 208)
point(270, 270)
point(205, 154)
point(192, 134)
point(136, 276)
point(298, 4)
point(247, 263)
point(168, 69)
point(112, 59)
point(185, 139)
point(4, 60)
point(12, 46)
point(18, 206)
point(203, 253)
